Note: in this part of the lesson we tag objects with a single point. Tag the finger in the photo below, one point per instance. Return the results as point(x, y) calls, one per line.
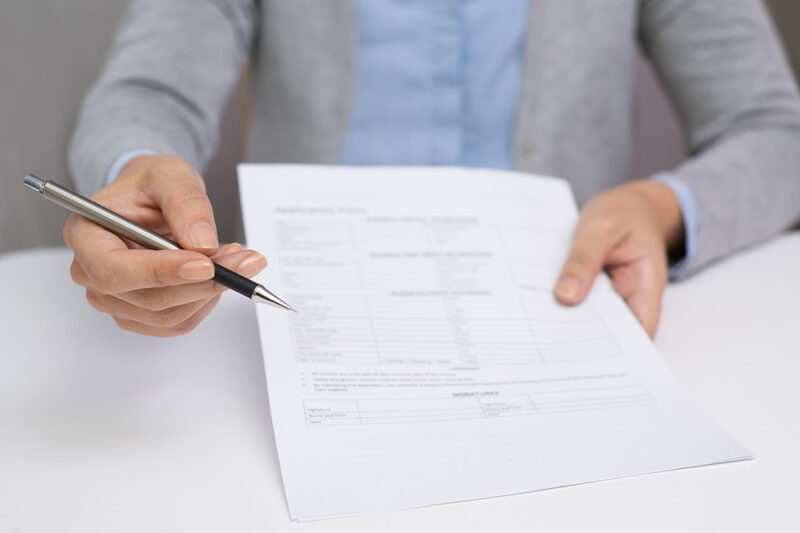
point(642, 286)
point(111, 267)
point(67, 229)
point(180, 192)
point(247, 263)
point(595, 236)
point(79, 230)
point(92, 245)
point(179, 329)
point(164, 318)
point(226, 249)
point(80, 277)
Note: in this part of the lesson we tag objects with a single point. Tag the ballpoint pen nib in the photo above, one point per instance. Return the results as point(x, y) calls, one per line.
point(262, 295)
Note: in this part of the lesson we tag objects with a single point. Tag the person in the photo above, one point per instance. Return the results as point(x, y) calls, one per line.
point(542, 86)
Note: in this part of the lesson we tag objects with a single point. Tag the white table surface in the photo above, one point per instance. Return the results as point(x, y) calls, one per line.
point(101, 430)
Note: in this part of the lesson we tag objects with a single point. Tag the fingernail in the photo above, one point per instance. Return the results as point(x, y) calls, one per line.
point(252, 264)
point(197, 270)
point(203, 236)
point(227, 249)
point(568, 289)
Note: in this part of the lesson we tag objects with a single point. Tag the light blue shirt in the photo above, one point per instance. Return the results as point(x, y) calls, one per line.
point(438, 83)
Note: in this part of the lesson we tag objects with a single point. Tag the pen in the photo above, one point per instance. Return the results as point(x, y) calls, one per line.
point(126, 228)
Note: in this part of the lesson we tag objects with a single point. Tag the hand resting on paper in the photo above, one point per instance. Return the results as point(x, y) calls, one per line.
point(628, 231)
point(155, 292)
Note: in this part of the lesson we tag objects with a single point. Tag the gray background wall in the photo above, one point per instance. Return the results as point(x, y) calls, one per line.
point(50, 52)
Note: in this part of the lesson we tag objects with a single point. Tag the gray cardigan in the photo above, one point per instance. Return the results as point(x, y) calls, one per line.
point(175, 62)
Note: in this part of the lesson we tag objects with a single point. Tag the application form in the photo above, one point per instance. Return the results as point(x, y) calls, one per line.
point(429, 361)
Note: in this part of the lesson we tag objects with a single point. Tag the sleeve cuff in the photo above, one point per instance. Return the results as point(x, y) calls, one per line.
point(119, 163)
point(689, 211)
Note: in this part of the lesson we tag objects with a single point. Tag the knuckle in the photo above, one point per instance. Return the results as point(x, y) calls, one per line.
point(69, 226)
point(127, 325)
point(188, 196)
point(153, 299)
point(205, 290)
point(158, 277)
point(580, 259)
point(169, 332)
point(96, 301)
point(76, 273)
point(605, 222)
point(173, 316)
point(193, 321)
point(65, 231)
point(185, 327)
point(101, 276)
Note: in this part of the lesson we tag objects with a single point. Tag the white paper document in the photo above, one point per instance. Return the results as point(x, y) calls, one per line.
point(429, 361)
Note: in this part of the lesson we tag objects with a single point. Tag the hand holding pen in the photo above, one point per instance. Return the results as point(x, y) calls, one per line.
point(157, 292)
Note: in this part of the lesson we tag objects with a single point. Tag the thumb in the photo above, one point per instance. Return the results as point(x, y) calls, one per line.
point(586, 258)
point(180, 192)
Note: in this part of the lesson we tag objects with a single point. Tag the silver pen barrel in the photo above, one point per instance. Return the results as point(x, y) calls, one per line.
point(97, 213)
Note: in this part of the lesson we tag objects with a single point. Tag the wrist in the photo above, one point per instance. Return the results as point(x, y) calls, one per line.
point(122, 161)
point(664, 206)
point(150, 167)
point(140, 163)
